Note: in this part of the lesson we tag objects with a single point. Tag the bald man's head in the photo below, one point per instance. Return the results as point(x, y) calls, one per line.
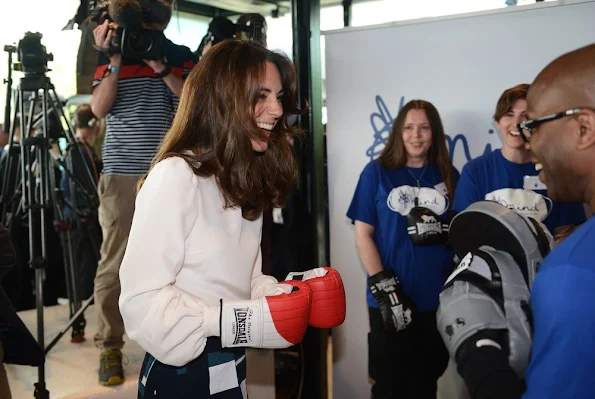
point(565, 145)
point(567, 82)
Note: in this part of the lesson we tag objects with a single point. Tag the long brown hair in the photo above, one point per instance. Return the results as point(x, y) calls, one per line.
point(215, 122)
point(394, 155)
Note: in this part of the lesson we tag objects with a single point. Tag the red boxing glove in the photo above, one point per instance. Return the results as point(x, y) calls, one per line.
point(278, 321)
point(328, 296)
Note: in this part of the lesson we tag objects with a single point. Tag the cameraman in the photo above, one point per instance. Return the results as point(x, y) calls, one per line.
point(220, 28)
point(138, 98)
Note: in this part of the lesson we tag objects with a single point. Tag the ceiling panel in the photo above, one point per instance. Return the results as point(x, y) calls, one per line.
point(235, 7)
point(264, 7)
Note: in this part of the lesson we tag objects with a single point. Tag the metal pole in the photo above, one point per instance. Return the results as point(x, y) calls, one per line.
point(347, 12)
point(307, 58)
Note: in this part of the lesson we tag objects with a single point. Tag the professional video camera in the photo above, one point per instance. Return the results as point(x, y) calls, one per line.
point(129, 20)
point(32, 55)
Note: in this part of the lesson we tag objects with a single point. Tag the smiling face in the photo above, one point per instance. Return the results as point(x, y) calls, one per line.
point(417, 137)
point(507, 125)
point(553, 147)
point(269, 106)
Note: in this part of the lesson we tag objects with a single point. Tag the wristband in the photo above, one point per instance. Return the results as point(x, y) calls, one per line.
point(165, 72)
point(110, 69)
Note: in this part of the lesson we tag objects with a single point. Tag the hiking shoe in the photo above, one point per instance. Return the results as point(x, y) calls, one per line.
point(110, 367)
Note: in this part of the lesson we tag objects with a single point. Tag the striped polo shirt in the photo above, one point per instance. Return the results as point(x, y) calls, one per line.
point(142, 112)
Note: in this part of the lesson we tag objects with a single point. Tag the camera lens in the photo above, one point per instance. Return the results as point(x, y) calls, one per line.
point(140, 41)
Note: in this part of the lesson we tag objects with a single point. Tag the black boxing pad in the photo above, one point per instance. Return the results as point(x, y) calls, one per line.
point(487, 223)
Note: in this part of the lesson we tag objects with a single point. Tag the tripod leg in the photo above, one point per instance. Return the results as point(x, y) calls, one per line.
point(10, 173)
point(41, 154)
point(78, 328)
point(70, 267)
point(94, 236)
point(73, 320)
point(64, 241)
point(71, 279)
point(34, 206)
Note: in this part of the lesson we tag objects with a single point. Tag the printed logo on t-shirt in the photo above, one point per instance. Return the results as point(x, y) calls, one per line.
point(526, 202)
point(441, 188)
point(402, 199)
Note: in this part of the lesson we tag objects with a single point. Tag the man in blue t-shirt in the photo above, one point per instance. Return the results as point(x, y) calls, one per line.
point(563, 296)
point(561, 134)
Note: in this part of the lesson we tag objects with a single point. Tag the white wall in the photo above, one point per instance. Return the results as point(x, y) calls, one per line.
point(462, 65)
point(48, 18)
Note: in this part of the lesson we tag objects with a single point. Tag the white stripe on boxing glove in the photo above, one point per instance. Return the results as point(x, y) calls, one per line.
point(278, 321)
point(277, 289)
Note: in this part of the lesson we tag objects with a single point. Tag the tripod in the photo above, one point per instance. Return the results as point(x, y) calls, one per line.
point(30, 168)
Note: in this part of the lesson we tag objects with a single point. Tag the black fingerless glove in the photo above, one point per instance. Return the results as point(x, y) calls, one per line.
point(396, 308)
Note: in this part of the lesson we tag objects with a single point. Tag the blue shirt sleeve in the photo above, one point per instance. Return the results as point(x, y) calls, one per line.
point(363, 204)
point(563, 351)
point(467, 191)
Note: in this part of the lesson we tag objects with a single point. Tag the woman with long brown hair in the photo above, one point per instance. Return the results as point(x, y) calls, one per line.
point(191, 278)
point(401, 210)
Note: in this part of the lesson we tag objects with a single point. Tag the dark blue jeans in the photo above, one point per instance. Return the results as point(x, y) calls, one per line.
point(218, 373)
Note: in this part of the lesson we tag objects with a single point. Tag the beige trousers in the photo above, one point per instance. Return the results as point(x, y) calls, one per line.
point(116, 208)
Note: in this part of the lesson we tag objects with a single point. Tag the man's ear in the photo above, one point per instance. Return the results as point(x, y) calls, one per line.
point(586, 121)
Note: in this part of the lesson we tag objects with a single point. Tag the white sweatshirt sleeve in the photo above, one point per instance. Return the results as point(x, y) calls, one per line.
point(167, 322)
point(261, 284)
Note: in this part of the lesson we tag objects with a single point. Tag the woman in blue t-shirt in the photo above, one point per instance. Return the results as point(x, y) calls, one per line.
point(401, 210)
point(508, 176)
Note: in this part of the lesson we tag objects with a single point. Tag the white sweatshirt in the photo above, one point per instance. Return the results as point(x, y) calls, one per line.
point(185, 252)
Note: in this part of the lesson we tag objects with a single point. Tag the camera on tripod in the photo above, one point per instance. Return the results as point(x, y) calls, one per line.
point(32, 196)
point(131, 20)
point(32, 55)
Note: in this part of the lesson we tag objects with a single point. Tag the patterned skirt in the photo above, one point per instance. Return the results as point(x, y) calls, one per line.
point(218, 373)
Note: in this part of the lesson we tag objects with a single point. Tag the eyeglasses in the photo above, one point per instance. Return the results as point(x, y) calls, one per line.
point(526, 127)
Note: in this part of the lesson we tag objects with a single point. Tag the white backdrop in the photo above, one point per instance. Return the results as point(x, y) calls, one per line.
point(461, 64)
